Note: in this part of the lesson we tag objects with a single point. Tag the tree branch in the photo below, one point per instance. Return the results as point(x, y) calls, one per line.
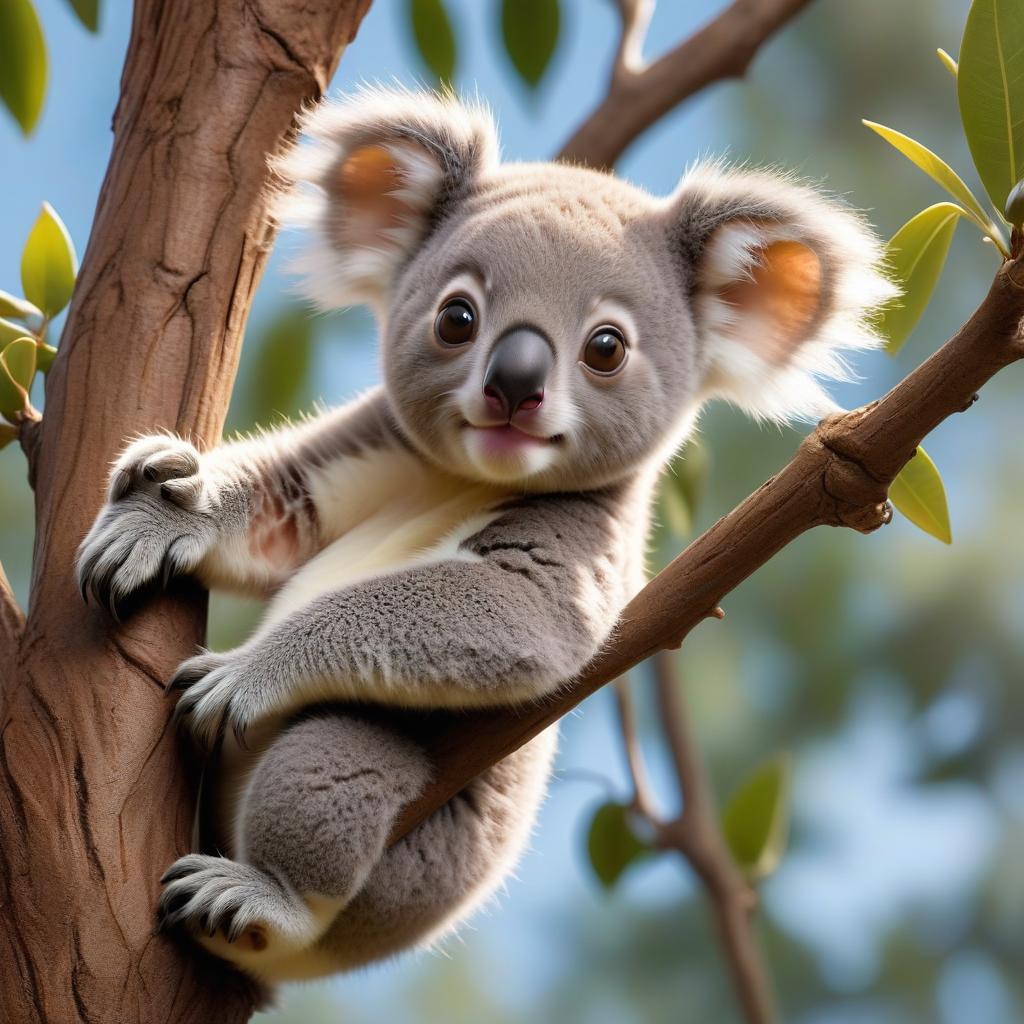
point(839, 476)
point(643, 800)
point(12, 623)
point(639, 95)
point(95, 799)
point(696, 834)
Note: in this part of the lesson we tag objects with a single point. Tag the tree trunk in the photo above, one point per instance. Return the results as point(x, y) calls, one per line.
point(94, 798)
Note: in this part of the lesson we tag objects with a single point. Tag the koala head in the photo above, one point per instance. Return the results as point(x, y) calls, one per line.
point(552, 327)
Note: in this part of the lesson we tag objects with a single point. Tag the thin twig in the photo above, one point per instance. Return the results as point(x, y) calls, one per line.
point(696, 834)
point(643, 799)
point(639, 95)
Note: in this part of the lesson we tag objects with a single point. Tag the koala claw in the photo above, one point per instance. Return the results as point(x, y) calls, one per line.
point(218, 692)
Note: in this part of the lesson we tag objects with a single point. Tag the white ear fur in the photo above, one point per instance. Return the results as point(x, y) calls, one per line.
point(785, 279)
point(368, 179)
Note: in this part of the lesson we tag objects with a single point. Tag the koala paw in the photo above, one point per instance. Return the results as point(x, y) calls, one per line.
point(220, 690)
point(210, 894)
point(157, 521)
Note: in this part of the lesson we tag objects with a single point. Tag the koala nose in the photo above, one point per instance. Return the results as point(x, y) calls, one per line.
point(517, 371)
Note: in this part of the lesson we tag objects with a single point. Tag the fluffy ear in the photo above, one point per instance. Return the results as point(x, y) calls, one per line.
point(370, 178)
point(782, 279)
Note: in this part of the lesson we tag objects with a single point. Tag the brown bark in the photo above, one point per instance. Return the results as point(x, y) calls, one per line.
point(640, 95)
point(839, 476)
point(93, 800)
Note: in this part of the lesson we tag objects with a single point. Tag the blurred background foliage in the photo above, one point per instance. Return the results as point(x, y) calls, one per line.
point(889, 667)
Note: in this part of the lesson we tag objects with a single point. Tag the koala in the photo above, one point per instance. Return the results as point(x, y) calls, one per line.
point(466, 534)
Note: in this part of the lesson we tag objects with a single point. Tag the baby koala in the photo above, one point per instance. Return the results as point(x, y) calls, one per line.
point(467, 533)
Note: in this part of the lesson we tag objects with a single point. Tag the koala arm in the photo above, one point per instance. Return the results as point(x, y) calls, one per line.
point(519, 612)
point(241, 516)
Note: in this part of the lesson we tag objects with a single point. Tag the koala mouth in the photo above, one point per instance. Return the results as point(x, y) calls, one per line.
point(507, 437)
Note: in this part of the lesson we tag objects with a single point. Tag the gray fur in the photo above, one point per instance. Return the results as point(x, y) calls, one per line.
point(412, 570)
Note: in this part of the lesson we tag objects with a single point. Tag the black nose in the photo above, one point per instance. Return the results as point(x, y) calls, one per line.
point(517, 371)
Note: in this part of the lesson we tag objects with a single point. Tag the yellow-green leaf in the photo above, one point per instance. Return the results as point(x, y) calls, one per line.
point(1014, 209)
point(17, 368)
point(48, 263)
point(915, 256)
point(7, 435)
point(947, 62)
point(530, 30)
point(18, 309)
point(611, 844)
point(88, 12)
point(10, 332)
point(434, 36)
point(756, 818)
point(45, 355)
point(22, 62)
point(936, 168)
point(990, 88)
point(919, 494)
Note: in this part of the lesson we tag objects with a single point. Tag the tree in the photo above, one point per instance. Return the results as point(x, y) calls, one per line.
point(79, 887)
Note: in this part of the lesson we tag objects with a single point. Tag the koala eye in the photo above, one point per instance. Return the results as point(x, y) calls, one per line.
point(456, 322)
point(605, 350)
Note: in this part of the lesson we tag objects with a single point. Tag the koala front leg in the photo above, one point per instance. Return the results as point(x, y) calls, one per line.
point(508, 623)
point(165, 509)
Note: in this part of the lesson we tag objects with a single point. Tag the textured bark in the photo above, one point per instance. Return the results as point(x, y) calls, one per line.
point(93, 800)
point(839, 476)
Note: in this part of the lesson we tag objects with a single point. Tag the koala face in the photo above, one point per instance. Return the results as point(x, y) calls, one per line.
point(552, 328)
point(533, 338)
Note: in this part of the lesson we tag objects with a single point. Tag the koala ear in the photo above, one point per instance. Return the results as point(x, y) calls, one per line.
point(781, 280)
point(369, 180)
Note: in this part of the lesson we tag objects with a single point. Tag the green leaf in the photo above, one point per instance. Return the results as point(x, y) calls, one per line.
point(919, 494)
point(530, 30)
point(915, 255)
point(45, 355)
point(1014, 209)
point(48, 263)
point(947, 62)
point(17, 368)
point(10, 332)
point(756, 818)
point(936, 168)
point(19, 309)
point(7, 435)
point(88, 12)
point(435, 39)
point(22, 62)
point(611, 843)
point(990, 87)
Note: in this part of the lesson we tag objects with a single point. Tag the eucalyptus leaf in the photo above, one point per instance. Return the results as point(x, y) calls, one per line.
point(48, 263)
point(18, 309)
point(530, 30)
point(45, 355)
point(919, 494)
point(88, 12)
point(10, 332)
point(915, 256)
point(947, 61)
point(7, 435)
point(17, 368)
point(755, 821)
point(434, 36)
point(23, 65)
point(1014, 209)
point(990, 88)
point(936, 168)
point(611, 844)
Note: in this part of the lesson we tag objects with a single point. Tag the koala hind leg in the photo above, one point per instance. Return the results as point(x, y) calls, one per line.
point(312, 823)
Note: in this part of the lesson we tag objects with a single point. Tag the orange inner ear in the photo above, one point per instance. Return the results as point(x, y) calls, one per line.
point(366, 181)
point(785, 290)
